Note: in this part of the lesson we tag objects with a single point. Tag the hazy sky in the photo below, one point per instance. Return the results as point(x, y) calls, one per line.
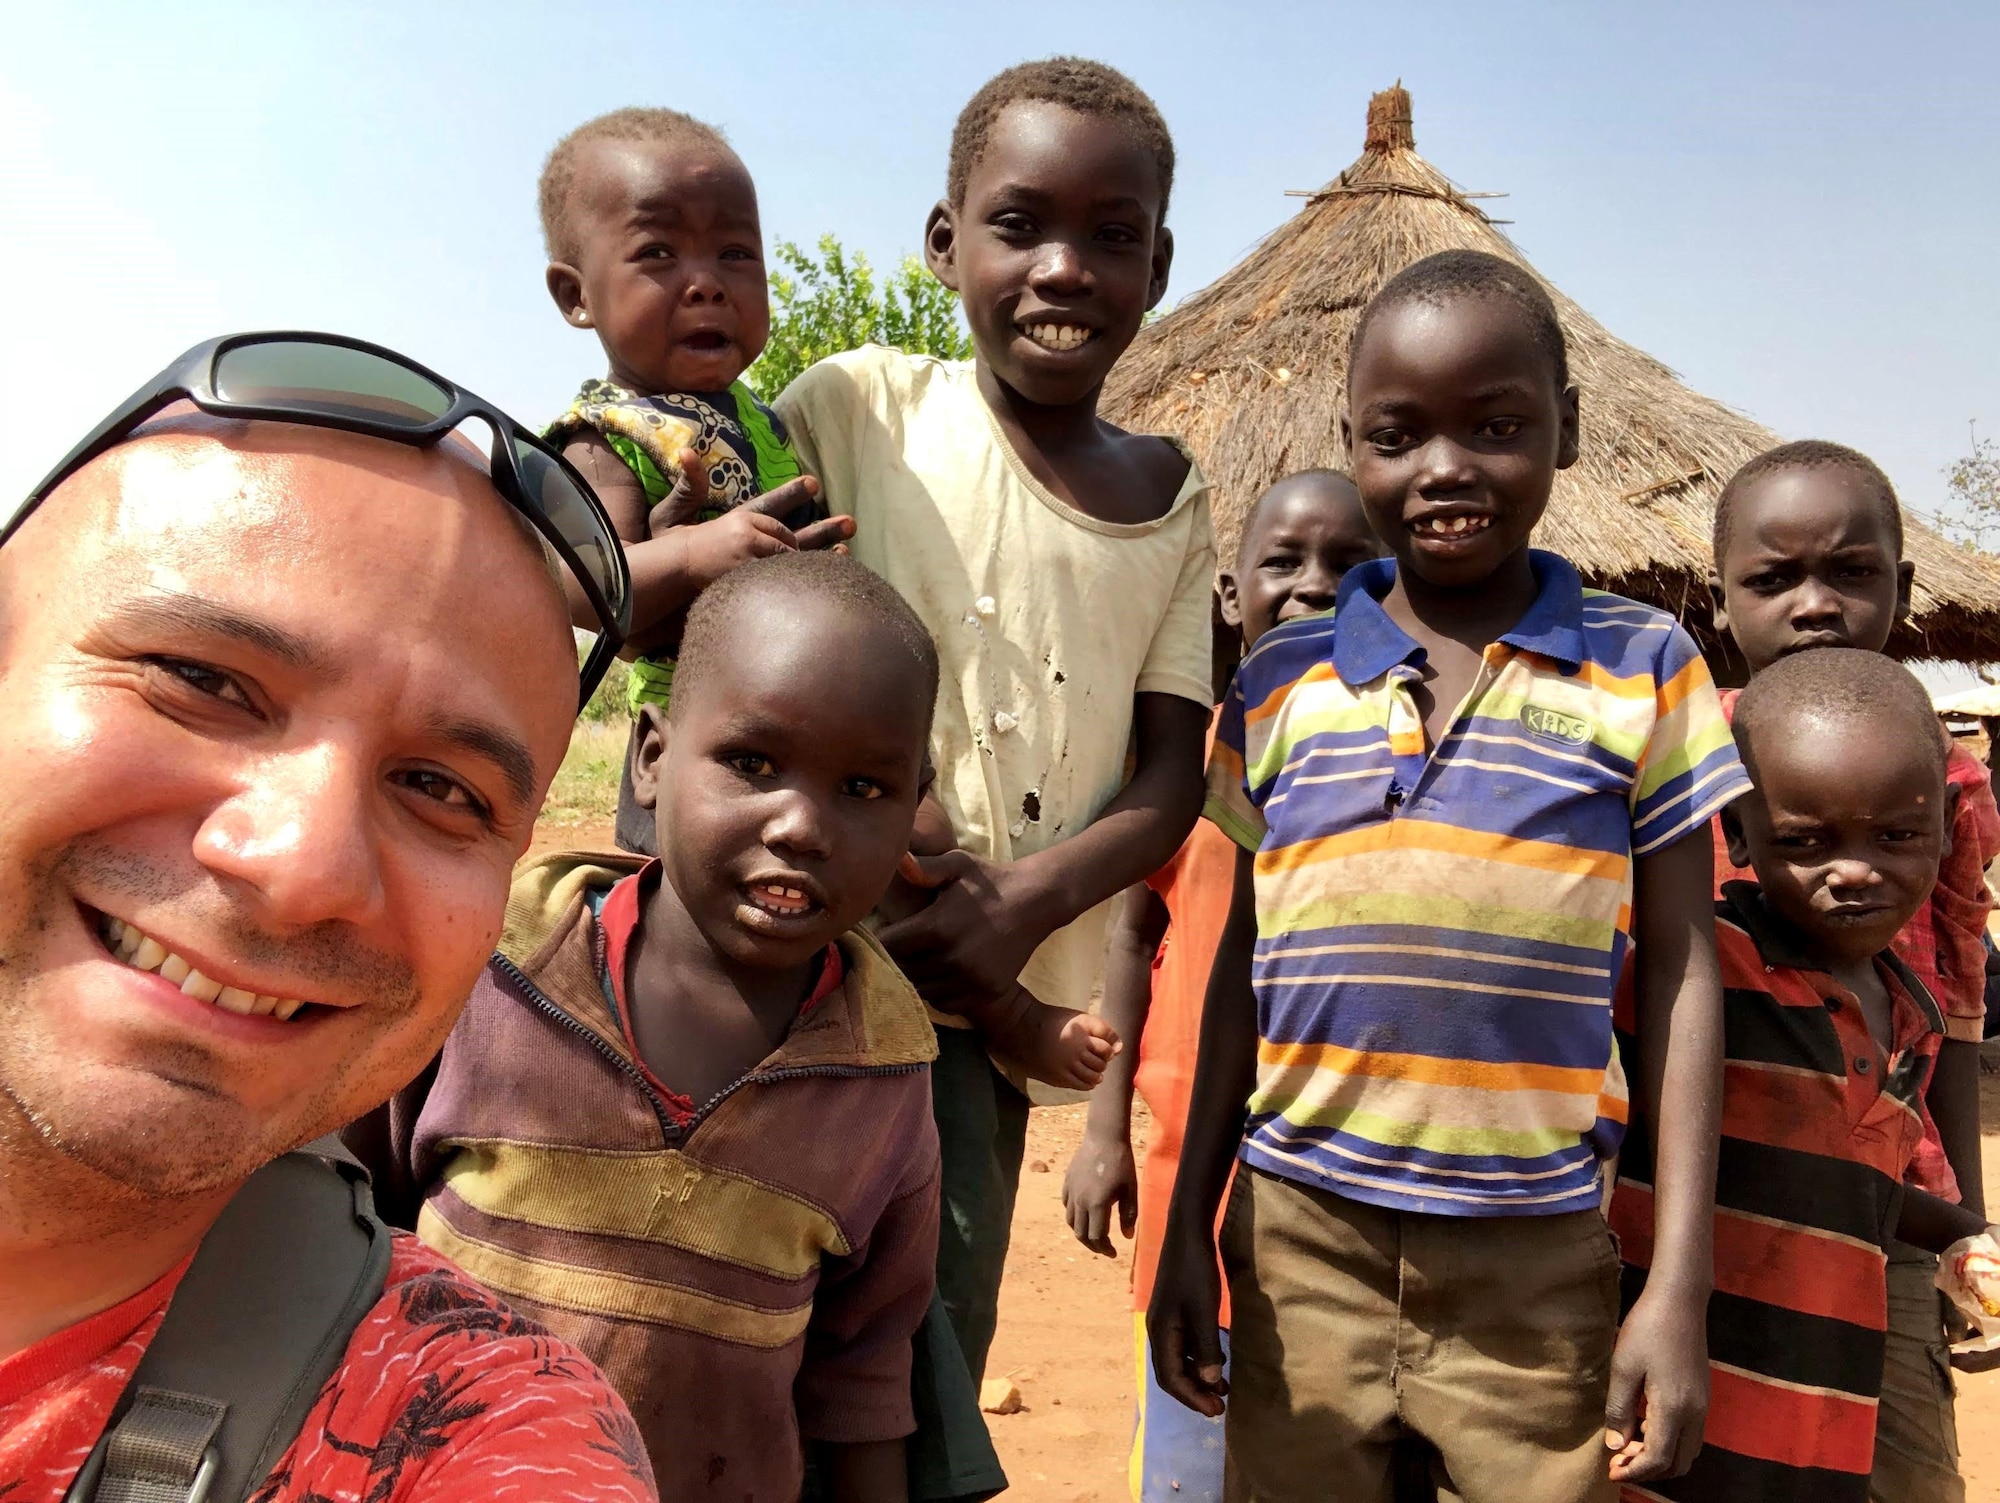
point(1793, 205)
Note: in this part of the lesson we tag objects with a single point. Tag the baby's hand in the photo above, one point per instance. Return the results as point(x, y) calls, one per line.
point(690, 494)
point(1068, 1049)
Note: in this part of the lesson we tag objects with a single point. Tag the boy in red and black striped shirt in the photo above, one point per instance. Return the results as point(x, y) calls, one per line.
point(1829, 1042)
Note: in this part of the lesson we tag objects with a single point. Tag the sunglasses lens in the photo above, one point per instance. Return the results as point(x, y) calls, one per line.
point(293, 375)
point(573, 517)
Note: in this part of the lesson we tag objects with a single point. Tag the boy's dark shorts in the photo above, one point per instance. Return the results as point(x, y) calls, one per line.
point(1354, 1327)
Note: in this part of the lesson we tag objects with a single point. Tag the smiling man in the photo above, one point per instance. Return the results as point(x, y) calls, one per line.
point(278, 706)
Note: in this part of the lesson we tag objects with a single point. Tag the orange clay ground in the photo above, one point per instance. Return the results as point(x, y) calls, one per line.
point(1065, 1334)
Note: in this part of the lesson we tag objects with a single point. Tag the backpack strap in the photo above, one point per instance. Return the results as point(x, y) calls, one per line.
point(259, 1323)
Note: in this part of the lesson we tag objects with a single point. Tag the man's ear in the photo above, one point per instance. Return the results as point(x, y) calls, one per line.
point(1715, 602)
point(565, 284)
point(941, 244)
point(650, 735)
point(1163, 262)
point(1951, 793)
point(1347, 441)
point(1732, 833)
point(1906, 578)
point(1571, 409)
point(1228, 600)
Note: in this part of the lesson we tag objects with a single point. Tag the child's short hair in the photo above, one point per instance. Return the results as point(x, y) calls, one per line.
point(1453, 274)
point(630, 124)
point(1839, 686)
point(782, 579)
point(1076, 83)
point(1809, 454)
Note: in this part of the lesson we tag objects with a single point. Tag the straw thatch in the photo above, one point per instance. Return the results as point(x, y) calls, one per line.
point(1252, 372)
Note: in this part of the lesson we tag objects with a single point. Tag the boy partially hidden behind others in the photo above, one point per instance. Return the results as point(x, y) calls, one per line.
point(685, 1119)
point(1829, 1042)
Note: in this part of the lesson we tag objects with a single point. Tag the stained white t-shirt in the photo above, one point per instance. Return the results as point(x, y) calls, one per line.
point(1047, 620)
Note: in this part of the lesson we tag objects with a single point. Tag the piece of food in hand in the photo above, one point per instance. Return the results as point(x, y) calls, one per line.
point(1969, 1274)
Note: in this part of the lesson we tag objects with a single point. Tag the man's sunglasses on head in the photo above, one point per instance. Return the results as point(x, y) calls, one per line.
point(327, 381)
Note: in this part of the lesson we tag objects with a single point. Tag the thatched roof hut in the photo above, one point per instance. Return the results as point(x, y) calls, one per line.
point(1252, 372)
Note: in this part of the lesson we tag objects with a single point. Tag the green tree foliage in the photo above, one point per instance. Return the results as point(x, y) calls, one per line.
point(822, 306)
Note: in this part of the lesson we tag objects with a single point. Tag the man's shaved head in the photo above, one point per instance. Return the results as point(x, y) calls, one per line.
point(284, 701)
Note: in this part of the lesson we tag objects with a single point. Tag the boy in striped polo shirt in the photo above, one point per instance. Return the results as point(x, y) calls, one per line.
point(1830, 1041)
point(1467, 792)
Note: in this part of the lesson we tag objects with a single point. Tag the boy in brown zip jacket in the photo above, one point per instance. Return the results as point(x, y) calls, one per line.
point(685, 1119)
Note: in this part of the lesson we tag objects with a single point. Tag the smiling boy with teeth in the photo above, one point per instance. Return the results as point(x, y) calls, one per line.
point(1065, 568)
point(1460, 798)
point(685, 1120)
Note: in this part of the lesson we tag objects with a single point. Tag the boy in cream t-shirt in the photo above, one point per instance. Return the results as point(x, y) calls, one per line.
point(1064, 568)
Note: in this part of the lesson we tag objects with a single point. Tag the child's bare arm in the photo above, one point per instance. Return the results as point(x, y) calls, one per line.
point(872, 1472)
point(1934, 1223)
point(989, 916)
point(1659, 1372)
point(1953, 1098)
point(1102, 1173)
point(1187, 1293)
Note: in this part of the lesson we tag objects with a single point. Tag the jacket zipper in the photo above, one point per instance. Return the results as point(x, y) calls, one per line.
point(540, 1001)
point(673, 1134)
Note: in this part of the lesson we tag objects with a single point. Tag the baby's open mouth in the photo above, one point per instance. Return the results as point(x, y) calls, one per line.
point(1058, 336)
point(706, 341)
point(144, 953)
point(1463, 525)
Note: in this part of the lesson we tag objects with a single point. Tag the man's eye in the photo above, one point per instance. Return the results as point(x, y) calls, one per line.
point(656, 253)
point(204, 680)
point(750, 765)
point(1898, 837)
point(1389, 439)
point(1506, 427)
point(739, 253)
point(1281, 565)
point(1794, 842)
point(1013, 224)
point(1764, 584)
point(441, 788)
point(863, 788)
point(1119, 234)
point(1859, 571)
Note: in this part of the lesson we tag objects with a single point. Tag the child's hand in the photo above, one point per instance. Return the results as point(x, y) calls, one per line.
point(1102, 1174)
point(754, 530)
point(972, 941)
point(1182, 1322)
point(1659, 1389)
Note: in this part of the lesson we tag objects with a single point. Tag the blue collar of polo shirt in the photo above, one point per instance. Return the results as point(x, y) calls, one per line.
point(1367, 644)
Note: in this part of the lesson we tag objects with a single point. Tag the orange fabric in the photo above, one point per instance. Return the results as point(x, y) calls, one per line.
point(1196, 888)
point(445, 1396)
point(1793, 1427)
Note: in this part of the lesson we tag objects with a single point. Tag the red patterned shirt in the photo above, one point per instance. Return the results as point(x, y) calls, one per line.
point(446, 1396)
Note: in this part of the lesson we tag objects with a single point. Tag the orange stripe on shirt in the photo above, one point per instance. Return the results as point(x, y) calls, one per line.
point(1791, 1426)
point(1791, 1109)
point(1793, 1269)
point(1428, 1070)
point(1455, 840)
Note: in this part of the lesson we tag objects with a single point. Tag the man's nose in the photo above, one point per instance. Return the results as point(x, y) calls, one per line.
point(300, 834)
point(794, 824)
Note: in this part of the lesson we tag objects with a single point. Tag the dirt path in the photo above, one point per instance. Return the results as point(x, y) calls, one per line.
point(1066, 1338)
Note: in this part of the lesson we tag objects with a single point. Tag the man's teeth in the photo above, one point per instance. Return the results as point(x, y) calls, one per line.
point(144, 953)
point(1059, 336)
point(1450, 527)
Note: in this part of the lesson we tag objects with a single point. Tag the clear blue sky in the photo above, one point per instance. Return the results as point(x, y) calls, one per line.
point(1793, 205)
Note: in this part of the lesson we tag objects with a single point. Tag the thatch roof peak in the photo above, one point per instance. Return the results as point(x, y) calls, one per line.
point(1252, 372)
point(1389, 123)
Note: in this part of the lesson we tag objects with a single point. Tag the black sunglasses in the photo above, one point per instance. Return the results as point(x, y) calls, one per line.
point(328, 381)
